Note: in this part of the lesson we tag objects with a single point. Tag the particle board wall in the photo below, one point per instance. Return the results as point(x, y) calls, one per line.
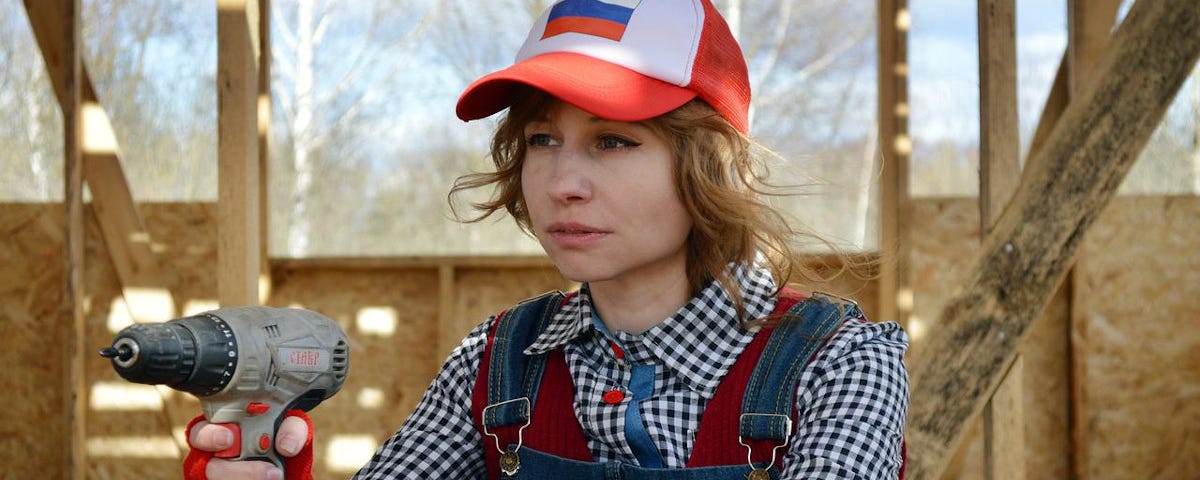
point(1142, 350)
point(33, 426)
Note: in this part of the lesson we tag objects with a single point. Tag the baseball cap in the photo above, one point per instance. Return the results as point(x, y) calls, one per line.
point(625, 60)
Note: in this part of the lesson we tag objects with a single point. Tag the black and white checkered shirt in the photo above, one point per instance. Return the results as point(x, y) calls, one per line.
point(851, 400)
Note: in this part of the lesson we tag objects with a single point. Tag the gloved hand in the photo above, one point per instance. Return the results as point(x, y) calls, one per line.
point(294, 442)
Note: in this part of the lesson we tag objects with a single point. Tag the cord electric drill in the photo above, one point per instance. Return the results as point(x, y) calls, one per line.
point(248, 366)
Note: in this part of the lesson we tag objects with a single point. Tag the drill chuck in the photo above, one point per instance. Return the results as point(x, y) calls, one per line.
point(196, 354)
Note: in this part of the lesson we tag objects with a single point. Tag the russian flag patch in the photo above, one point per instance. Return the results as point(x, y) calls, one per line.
point(606, 19)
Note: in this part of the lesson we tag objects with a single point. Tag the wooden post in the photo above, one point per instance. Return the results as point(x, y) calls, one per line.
point(1089, 27)
point(999, 174)
point(447, 340)
point(264, 146)
point(1070, 181)
point(895, 290)
point(67, 67)
point(999, 167)
point(237, 153)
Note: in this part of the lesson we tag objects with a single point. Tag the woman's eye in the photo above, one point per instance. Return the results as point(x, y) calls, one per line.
point(539, 140)
point(610, 142)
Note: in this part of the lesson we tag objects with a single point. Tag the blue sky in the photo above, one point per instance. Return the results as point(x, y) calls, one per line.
point(944, 69)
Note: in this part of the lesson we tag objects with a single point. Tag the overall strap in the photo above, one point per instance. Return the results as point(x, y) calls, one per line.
point(768, 404)
point(511, 388)
point(513, 377)
point(717, 439)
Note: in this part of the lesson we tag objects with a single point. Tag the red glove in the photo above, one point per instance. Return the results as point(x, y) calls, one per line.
point(298, 467)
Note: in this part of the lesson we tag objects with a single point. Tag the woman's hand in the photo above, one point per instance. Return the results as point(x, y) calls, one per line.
point(293, 433)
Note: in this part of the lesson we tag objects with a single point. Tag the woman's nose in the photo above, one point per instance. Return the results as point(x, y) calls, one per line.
point(569, 181)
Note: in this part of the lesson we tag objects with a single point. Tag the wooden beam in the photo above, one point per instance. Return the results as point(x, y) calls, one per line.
point(447, 339)
point(1089, 30)
point(264, 146)
point(1004, 427)
point(238, 214)
point(389, 263)
point(999, 174)
point(999, 143)
point(1052, 110)
point(121, 225)
point(65, 67)
point(895, 290)
point(1036, 237)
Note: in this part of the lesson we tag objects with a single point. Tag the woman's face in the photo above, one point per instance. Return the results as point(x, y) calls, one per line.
point(602, 200)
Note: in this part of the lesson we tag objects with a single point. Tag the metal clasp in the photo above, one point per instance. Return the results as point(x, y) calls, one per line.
point(520, 432)
point(787, 435)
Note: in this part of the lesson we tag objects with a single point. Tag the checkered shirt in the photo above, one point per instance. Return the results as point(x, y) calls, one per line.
point(851, 400)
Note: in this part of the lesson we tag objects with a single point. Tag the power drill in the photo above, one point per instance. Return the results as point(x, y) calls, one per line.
point(248, 366)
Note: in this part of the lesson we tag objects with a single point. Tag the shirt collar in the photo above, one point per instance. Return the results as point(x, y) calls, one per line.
point(700, 341)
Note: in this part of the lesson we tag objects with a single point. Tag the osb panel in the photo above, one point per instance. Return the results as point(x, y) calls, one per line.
point(133, 439)
point(1142, 310)
point(390, 365)
point(944, 242)
point(481, 292)
point(33, 428)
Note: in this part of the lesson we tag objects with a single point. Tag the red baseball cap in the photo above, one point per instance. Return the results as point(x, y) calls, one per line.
point(625, 60)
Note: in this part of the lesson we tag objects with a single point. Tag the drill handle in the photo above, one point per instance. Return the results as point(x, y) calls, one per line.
point(254, 435)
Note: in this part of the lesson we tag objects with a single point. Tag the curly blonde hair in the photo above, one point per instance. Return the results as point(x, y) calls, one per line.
point(720, 177)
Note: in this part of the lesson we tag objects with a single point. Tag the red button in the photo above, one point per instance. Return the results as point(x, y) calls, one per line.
point(256, 408)
point(264, 442)
point(620, 354)
point(613, 397)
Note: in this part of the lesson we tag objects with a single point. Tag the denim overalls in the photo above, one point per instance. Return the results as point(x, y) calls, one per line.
point(522, 405)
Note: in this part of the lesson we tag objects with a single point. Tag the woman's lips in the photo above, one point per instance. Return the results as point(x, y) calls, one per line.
point(575, 235)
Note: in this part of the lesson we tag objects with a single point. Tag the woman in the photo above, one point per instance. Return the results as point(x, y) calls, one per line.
point(624, 151)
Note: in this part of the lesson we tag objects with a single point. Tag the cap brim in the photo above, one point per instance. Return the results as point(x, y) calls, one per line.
point(603, 89)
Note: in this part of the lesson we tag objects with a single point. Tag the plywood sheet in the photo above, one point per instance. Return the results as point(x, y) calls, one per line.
point(1143, 339)
point(33, 431)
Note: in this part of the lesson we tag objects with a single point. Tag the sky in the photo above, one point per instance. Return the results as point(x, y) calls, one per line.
point(944, 71)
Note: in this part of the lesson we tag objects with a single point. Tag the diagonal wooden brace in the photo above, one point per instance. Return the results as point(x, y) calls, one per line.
point(1070, 181)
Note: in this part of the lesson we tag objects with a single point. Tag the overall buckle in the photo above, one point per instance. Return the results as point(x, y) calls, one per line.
point(510, 462)
point(761, 473)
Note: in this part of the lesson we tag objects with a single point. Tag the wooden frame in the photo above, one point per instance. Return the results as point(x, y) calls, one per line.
point(895, 290)
point(1035, 239)
point(999, 174)
point(238, 229)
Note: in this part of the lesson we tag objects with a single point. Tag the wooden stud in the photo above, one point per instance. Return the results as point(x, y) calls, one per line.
point(447, 340)
point(406, 262)
point(66, 66)
point(999, 166)
point(895, 290)
point(264, 145)
point(1089, 27)
point(1004, 427)
point(999, 174)
point(237, 153)
point(1070, 181)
